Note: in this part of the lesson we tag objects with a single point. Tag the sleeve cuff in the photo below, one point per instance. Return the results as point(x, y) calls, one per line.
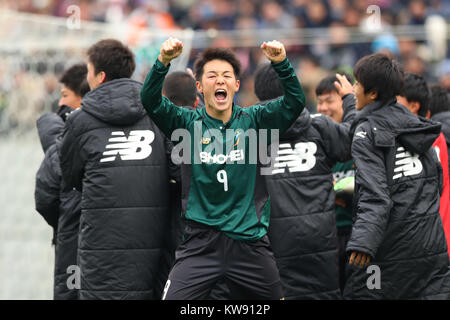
point(280, 65)
point(159, 66)
point(283, 68)
point(347, 95)
point(350, 249)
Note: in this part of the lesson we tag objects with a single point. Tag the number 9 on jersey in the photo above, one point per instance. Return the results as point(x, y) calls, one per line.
point(222, 178)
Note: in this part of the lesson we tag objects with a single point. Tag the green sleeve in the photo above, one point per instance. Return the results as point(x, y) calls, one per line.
point(166, 115)
point(282, 113)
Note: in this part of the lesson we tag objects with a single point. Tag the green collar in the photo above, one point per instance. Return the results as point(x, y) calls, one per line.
point(217, 123)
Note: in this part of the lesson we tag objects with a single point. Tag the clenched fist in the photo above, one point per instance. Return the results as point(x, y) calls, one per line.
point(274, 51)
point(170, 49)
point(359, 259)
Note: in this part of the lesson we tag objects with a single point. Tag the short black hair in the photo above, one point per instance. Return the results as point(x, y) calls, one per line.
point(378, 72)
point(326, 85)
point(179, 87)
point(439, 101)
point(415, 88)
point(113, 58)
point(267, 83)
point(210, 54)
point(74, 78)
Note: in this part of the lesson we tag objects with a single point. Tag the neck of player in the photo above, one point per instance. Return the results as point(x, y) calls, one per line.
point(224, 115)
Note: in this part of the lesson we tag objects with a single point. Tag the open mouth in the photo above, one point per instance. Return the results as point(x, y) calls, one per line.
point(221, 95)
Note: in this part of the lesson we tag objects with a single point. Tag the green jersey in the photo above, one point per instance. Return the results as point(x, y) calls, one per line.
point(221, 186)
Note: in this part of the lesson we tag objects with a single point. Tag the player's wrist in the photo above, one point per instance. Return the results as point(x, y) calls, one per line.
point(346, 94)
point(163, 60)
point(278, 60)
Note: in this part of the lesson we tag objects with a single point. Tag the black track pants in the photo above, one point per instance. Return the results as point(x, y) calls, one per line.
point(207, 256)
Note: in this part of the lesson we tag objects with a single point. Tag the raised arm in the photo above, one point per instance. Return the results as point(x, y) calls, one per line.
point(345, 91)
point(336, 136)
point(281, 113)
point(161, 110)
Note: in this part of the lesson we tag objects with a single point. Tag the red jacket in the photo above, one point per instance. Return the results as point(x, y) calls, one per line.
point(440, 146)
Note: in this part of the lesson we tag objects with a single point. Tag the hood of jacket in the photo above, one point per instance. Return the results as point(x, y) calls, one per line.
point(116, 102)
point(444, 119)
point(49, 127)
point(390, 121)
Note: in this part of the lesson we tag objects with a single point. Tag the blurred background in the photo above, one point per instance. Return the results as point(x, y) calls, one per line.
point(39, 39)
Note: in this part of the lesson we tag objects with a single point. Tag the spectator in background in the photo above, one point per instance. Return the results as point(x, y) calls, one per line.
point(417, 12)
point(273, 16)
point(310, 66)
point(440, 7)
point(406, 47)
point(150, 14)
point(316, 14)
point(339, 53)
point(414, 64)
point(415, 96)
point(116, 156)
point(443, 74)
point(302, 228)
point(337, 9)
point(330, 103)
point(59, 206)
point(387, 44)
point(352, 17)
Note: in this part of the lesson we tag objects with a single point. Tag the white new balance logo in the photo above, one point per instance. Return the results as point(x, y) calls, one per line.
point(361, 134)
point(300, 159)
point(136, 147)
point(406, 164)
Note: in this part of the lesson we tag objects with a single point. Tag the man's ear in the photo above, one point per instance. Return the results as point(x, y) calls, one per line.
point(428, 115)
point(373, 95)
point(238, 85)
point(415, 106)
point(101, 77)
point(199, 86)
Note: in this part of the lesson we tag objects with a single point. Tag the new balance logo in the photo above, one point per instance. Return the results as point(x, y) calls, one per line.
point(361, 134)
point(136, 147)
point(300, 159)
point(406, 164)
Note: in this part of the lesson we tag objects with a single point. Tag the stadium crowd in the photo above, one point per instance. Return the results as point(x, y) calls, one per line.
point(229, 14)
point(314, 60)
